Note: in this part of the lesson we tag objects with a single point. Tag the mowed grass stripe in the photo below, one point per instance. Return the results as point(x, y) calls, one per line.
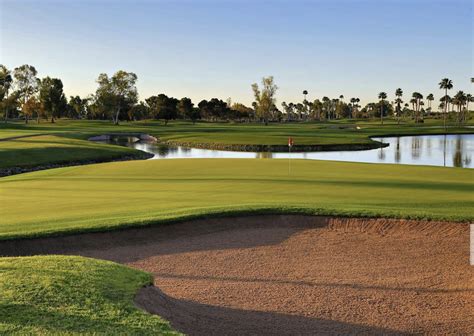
point(104, 196)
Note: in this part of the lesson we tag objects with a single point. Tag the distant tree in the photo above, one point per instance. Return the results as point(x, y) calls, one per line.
point(186, 108)
point(26, 83)
point(430, 99)
point(51, 97)
point(214, 109)
point(31, 107)
point(305, 93)
point(6, 81)
point(469, 99)
point(163, 107)
point(399, 102)
point(138, 111)
point(241, 112)
point(460, 100)
point(417, 97)
point(382, 97)
point(265, 98)
point(117, 93)
point(78, 107)
point(445, 84)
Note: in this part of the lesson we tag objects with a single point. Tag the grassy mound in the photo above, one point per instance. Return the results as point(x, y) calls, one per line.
point(106, 196)
point(58, 295)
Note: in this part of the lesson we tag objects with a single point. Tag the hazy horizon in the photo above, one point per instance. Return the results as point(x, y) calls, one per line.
point(205, 49)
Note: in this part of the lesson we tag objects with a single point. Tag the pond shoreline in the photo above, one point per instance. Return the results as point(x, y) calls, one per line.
point(27, 169)
point(276, 148)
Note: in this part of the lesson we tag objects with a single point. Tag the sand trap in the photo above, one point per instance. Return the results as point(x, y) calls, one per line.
point(293, 275)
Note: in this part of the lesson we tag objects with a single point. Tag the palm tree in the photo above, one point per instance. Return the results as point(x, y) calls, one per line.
point(382, 97)
point(460, 100)
point(399, 101)
point(445, 84)
point(430, 98)
point(418, 97)
point(305, 92)
point(469, 98)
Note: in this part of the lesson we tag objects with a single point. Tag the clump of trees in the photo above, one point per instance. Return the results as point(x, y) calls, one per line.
point(24, 95)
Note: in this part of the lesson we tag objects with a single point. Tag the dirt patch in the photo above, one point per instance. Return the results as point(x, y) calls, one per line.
point(293, 275)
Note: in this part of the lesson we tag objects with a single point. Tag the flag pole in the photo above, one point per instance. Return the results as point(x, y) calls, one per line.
point(290, 144)
point(289, 160)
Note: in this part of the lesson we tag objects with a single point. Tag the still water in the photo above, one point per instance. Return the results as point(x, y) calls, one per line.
point(433, 150)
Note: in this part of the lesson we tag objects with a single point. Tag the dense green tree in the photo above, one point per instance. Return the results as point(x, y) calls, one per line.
point(265, 98)
point(117, 94)
point(163, 107)
point(6, 81)
point(138, 111)
point(214, 109)
point(26, 84)
point(242, 112)
point(51, 96)
point(445, 84)
point(186, 109)
point(78, 107)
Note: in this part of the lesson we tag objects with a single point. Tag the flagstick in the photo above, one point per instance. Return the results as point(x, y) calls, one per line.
point(289, 160)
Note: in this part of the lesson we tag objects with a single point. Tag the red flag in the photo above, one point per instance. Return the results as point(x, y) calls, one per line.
point(290, 142)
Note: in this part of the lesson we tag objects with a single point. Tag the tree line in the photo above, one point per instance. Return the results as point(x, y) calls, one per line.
point(24, 95)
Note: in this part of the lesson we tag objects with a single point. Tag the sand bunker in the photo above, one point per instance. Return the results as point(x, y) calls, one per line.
point(293, 275)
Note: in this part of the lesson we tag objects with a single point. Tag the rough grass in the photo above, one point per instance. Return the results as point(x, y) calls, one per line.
point(58, 295)
point(106, 196)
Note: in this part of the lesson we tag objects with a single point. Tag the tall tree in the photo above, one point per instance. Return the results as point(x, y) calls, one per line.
point(6, 81)
point(460, 100)
point(445, 84)
point(399, 102)
point(52, 98)
point(265, 98)
point(27, 83)
point(382, 97)
point(418, 97)
point(79, 106)
point(430, 99)
point(118, 93)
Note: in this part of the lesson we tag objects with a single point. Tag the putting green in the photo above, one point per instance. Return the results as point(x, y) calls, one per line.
point(105, 196)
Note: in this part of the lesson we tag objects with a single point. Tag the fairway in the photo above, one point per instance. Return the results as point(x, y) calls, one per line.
point(104, 196)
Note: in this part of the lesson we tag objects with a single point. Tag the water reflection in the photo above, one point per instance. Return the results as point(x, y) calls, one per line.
point(435, 150)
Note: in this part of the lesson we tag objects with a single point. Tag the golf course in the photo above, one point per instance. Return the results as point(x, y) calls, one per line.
point(155, 215)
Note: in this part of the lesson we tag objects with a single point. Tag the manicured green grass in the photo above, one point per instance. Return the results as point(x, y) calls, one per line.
point(106, 196)
point(59, 147)
point(45, 149)
point(58, 295)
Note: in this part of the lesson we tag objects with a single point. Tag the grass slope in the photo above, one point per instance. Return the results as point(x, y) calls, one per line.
point(58, 295)
point(105, 196)
point(38, 150)
point(46, 149)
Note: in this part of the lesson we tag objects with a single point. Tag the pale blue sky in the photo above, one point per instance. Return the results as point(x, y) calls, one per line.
point(204, 49)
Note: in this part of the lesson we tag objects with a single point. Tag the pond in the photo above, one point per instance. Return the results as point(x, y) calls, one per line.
point(434, 150)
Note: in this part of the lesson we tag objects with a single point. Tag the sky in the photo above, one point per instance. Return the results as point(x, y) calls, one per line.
point(209, 48)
